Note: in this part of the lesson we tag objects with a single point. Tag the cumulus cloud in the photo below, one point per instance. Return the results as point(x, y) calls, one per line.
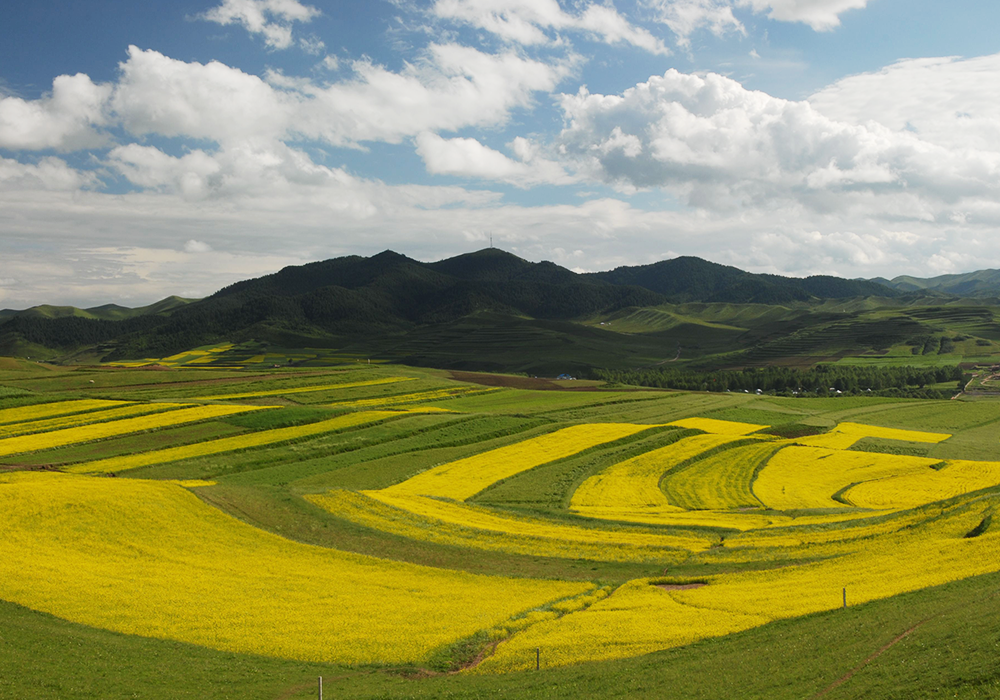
point(720, 145)
point(948, 101)
point(466, 157)
point(271, 19)
point(821, 15)
point(685, 17)
point(49, 174)
point(528, 21)
point(451, 87)
point(161, 95)
point(66, 120)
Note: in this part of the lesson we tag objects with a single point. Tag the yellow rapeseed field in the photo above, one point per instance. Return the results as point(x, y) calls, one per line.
point(465, 478)
point(808, 477)
point(639, 618)
point(228, 444)
point(149, 558)
point(457, 524)
point(718, 427)
point(634, 485)
point(58, 408)
point(915, 489)
point(99, 431)
point(47, 424)
point(846, 434)
point(307, 389)
point(417, 397)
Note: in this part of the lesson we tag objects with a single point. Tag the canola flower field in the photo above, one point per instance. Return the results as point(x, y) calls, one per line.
point(448, 526)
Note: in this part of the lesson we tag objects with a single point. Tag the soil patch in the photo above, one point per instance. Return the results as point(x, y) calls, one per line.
point(680, 586)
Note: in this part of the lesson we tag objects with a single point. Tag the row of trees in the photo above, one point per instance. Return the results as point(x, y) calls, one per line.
point(821, 380)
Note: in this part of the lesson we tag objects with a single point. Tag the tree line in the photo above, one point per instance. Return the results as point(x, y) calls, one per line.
point(821, 380)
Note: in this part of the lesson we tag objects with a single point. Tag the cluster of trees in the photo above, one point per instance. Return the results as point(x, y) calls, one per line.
point(821, 380)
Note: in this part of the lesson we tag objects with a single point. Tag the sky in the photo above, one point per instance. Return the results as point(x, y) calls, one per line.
point(176, 146)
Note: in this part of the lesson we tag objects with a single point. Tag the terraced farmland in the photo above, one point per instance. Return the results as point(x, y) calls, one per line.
point(363, 522)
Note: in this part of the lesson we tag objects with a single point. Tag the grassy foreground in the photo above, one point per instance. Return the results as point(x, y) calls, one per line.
point(951, 652)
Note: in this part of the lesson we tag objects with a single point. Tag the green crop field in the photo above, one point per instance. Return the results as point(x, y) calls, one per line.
point(237, 521)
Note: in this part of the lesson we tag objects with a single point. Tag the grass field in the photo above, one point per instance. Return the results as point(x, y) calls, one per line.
point(404, 534)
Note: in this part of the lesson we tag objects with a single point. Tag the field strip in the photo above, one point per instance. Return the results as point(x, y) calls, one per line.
point(639, 618)
point(459, 524)
point(99, 431)
point(431, 395)
point(40, 426)
point(720, 481)
point(465, 478)
point(846, 434)
point(59, 408)
point(228, 444)
point(728, 519)
point(908, 490)
point(149, 558)
point(718, 427)
point(307, 389)
point(635, 483)
point(809, 477)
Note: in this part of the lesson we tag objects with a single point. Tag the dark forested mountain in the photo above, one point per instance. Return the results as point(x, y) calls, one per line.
point(687, 279)
point(343, 300)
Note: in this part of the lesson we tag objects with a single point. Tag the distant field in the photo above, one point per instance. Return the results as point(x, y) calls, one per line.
point(385, 526)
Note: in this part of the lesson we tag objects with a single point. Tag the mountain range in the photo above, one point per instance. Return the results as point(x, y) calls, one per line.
point(457, 311)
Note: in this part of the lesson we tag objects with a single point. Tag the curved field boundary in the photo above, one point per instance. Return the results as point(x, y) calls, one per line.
point(458, 524)
point(23, 414)
point(88, 418)
point(159, 562)
point(229, 444)
point(465, 478)
point(307, 389)
point(99, 431)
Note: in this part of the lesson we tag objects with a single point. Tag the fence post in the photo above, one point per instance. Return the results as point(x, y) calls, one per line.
point(538, 658)
point(321, 688)
point(845, 598)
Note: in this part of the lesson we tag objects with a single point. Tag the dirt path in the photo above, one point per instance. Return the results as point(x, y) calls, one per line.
point(850, 674)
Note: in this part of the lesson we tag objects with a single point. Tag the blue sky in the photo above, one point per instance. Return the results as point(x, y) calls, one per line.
point(160, 148)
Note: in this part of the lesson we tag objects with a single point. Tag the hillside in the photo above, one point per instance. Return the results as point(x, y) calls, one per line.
point(981, 283)
point(687, 279)
point(105, 312)
point(491, 310)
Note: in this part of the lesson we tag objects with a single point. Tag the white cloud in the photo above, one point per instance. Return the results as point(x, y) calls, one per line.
point(450, 88)
point(48, 174)
point(270, 18)
point(526, 21)
point(160, 95)
point(312, 45)
point(467, 157)
point(196, 247)
point(685, 17)
point(821, 15)
point(949, 101)
point(721, 146)
point(64, 120)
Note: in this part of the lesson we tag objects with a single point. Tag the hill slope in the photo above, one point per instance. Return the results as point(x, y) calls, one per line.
point(687, 279)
